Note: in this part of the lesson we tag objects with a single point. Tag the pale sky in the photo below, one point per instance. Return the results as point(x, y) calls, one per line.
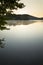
point(32, 7)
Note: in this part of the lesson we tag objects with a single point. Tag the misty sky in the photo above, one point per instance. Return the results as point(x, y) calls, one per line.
point(32, 7)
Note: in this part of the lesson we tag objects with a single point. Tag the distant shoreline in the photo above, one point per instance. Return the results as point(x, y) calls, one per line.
point(21, 17)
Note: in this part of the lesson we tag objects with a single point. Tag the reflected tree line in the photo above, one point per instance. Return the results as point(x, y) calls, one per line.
point(2, 44)
point(6, 7)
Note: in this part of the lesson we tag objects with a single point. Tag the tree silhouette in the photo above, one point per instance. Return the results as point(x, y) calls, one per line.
point(6, 6)
point(2, 24)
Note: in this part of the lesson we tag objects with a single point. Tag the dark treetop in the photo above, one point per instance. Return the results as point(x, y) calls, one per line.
point(6, 6)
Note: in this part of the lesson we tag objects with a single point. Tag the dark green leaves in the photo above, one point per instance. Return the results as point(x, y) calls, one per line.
point(9, 4)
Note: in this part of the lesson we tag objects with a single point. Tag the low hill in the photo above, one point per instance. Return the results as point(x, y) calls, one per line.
point(21, 17)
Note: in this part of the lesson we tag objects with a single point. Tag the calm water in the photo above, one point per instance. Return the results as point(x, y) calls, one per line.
point(21, 43)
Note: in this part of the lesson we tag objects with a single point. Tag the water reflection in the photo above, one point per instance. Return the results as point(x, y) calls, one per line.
point(20, 22)
point(2, 27)
point(2, 44)
point(25, 44)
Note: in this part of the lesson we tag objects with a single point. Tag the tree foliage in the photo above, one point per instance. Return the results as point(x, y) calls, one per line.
point(9, 5)
point(3, 23)
point(6, 7)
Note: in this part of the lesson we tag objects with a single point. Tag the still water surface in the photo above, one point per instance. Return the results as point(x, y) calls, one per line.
point(23, 43)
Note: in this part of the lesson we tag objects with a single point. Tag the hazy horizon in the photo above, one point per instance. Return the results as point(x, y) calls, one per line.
point(32, 7)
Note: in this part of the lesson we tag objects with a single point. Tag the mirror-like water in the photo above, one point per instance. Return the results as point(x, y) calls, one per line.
point(21, 43)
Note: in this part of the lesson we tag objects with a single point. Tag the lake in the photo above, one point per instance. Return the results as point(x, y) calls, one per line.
point(21, 42)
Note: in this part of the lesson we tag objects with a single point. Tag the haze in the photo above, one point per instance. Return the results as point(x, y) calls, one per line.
point(32, 7)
